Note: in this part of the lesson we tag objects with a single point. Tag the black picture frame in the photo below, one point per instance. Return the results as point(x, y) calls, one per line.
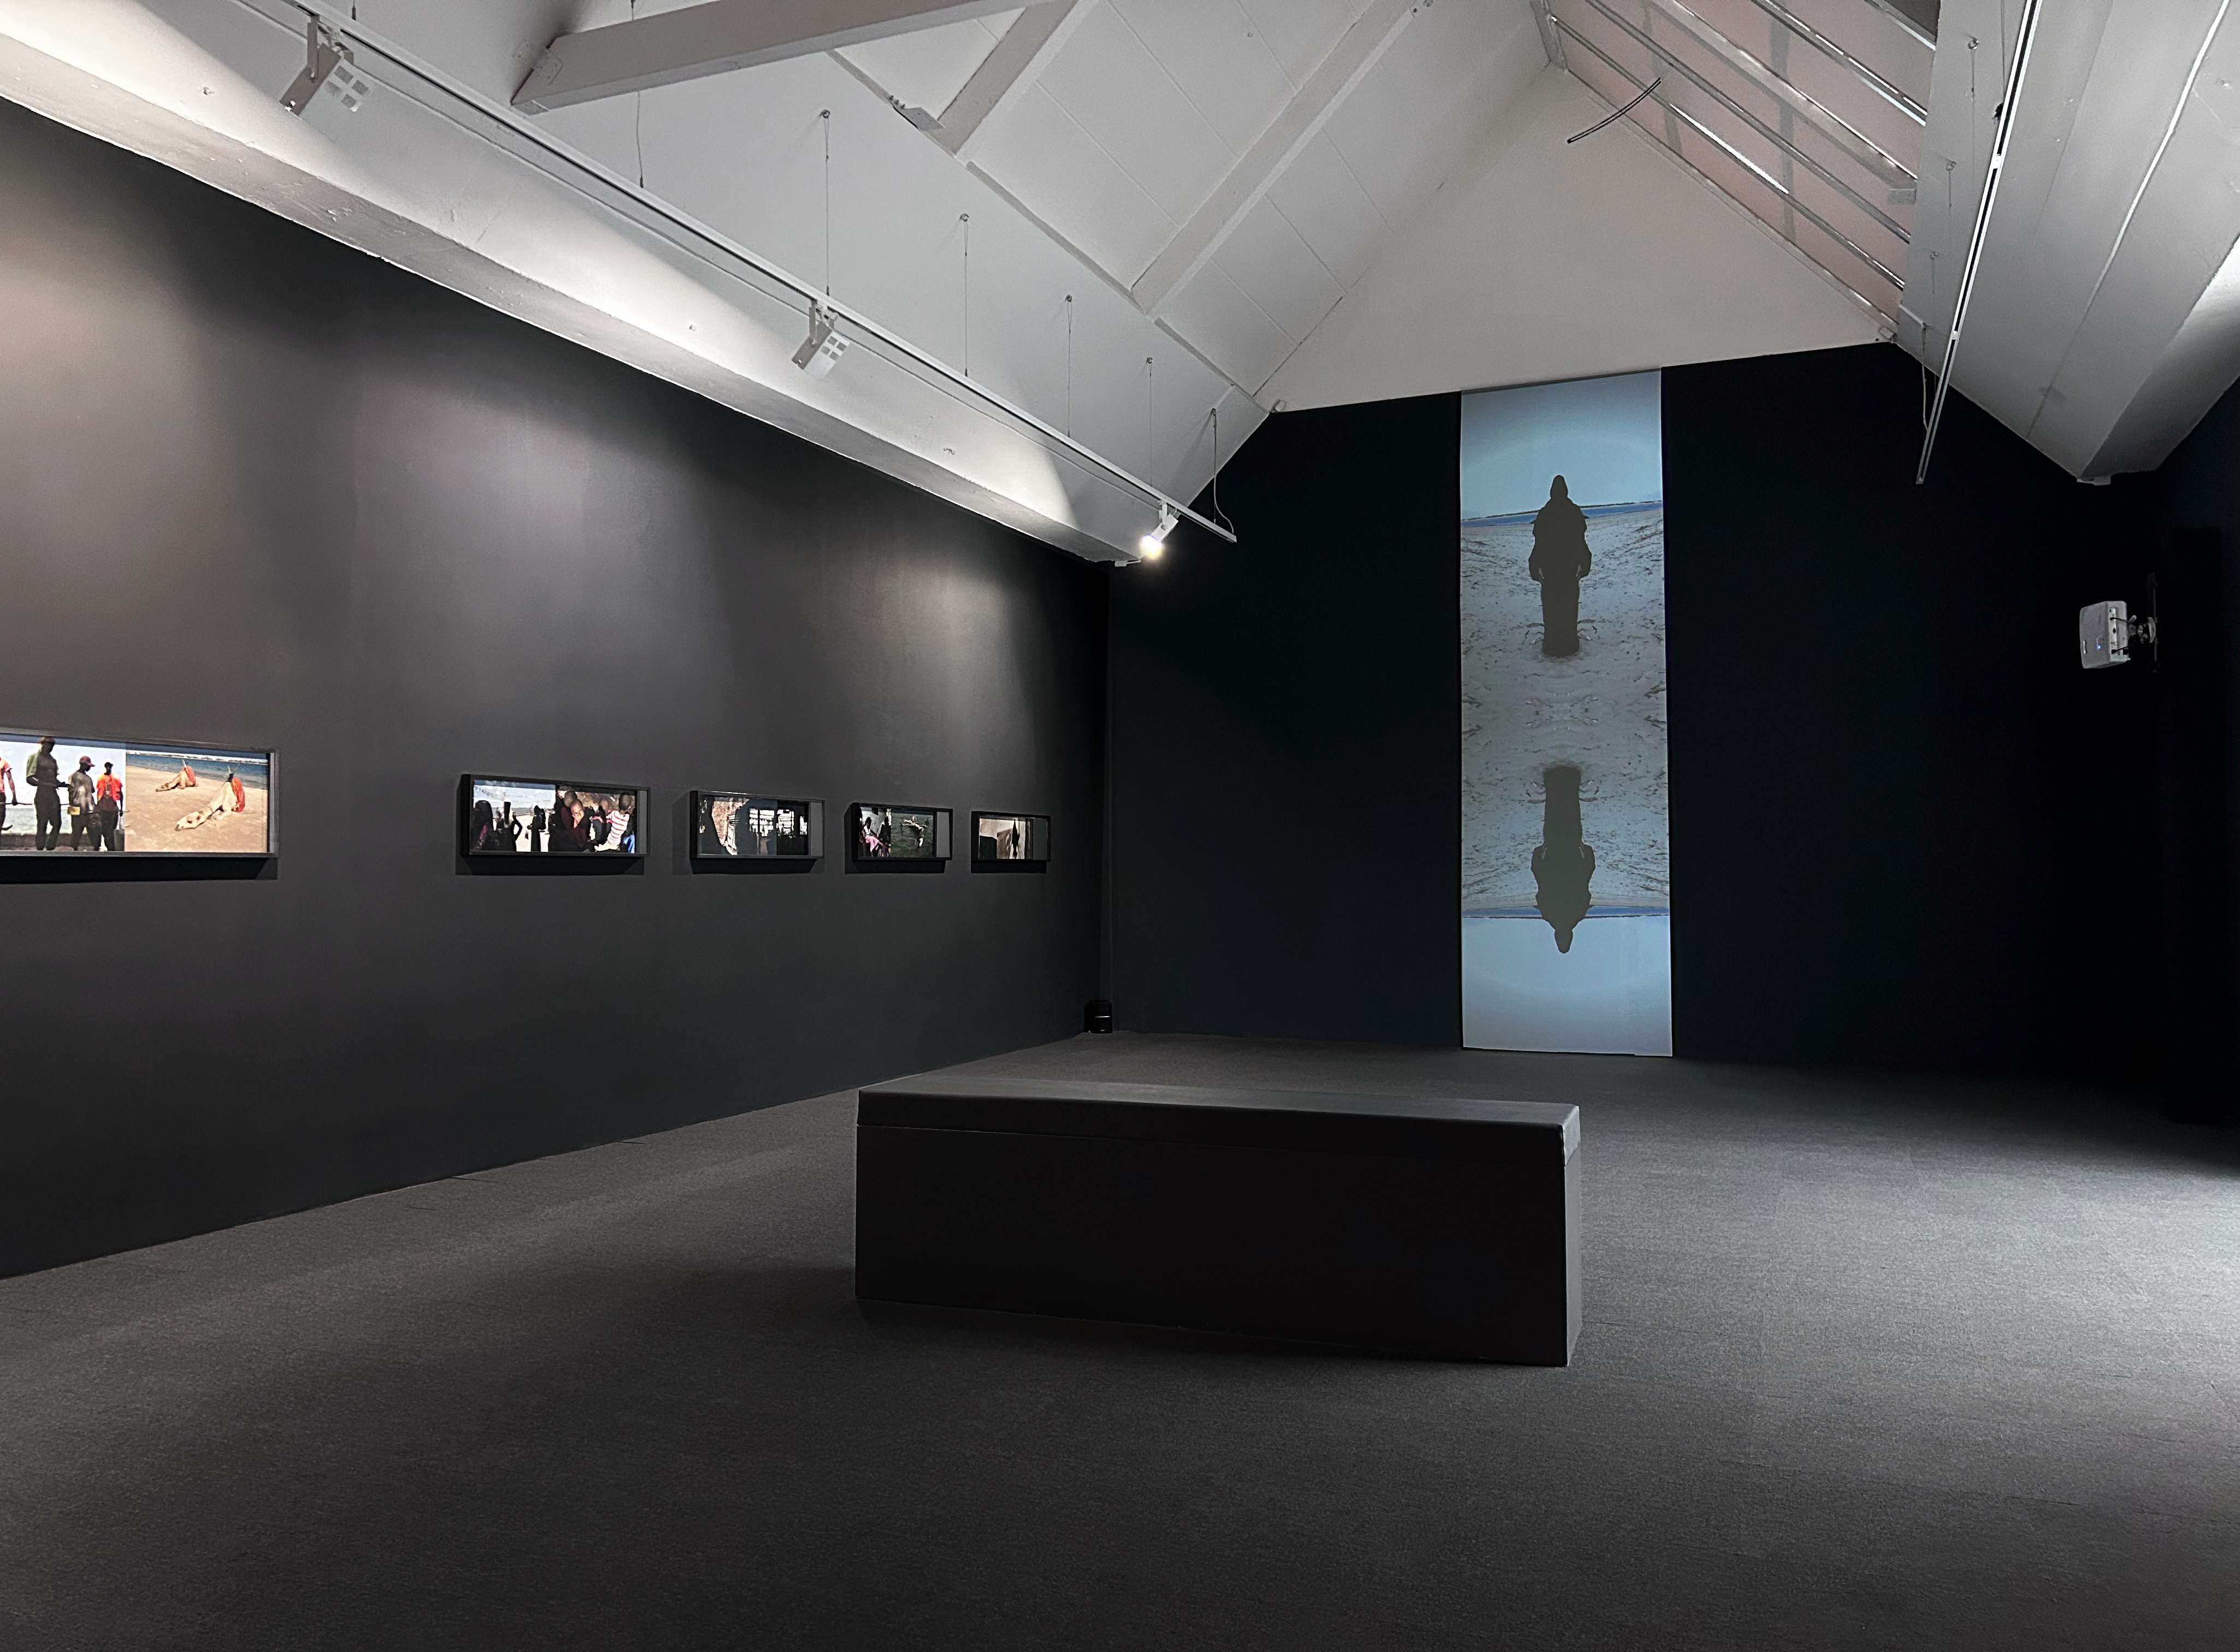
point(467, 850)
point(944, 829)
point(14, 740)
point(704, 845)
point(1037, 838)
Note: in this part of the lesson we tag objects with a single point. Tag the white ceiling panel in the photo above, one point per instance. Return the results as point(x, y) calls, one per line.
point(1450, 71)
point(1301, 32)
point(929, 67)
point(1110, 83)
point(1220, 318)
point(1042, 155)
point(1265, 256)
point(1322, 200)
point(1213, 51)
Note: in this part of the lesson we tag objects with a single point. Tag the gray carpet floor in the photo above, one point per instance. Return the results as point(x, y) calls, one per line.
point(1868, 1363)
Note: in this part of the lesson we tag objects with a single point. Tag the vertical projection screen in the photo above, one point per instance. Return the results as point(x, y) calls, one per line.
point(1566, 895)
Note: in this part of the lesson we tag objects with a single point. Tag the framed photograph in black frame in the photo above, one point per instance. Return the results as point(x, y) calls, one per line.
point(885, 832)
point(72, 794)
point(1009, 837)
point(512, 815)
point(747, 826)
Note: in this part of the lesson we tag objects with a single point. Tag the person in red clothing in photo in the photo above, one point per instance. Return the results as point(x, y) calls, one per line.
point(109, 810)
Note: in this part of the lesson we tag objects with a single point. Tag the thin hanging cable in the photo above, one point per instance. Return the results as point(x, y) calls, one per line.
point(637, 116)
point(1220, 516)
point(1624, 109)
point(597, 181)
point(825, 116)
point(1994, 168)
point(1150, 367)
point(965, 218)
point(2122, 229)
point(1069, 363)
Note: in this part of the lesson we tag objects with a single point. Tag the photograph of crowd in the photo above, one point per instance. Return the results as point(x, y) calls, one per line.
point(1011, 838)
point(58, 794)
point(549, 817)
point(886, 832)
point(733, 825)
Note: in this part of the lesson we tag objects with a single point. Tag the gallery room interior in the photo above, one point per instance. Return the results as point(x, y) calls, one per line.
point(1141, 823)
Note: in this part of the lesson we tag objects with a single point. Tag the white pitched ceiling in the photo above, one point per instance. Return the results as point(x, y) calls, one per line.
point(1126, 217)
point(1235, 163)
point(1544, 260)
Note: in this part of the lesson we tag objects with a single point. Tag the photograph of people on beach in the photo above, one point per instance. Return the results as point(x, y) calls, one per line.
point(60, 794)
point(1011, 838)
point(549, 817)
point(734, 825)
point(885, 832)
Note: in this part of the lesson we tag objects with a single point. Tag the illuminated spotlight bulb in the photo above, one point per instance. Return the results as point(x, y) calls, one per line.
point(1154, 543)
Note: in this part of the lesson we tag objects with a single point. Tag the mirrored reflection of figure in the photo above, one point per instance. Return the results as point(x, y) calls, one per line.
point(1560, 560)
point(1563, 862)
point(537, 830)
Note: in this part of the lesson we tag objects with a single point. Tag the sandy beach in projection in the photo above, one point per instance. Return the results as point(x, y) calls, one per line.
point(151, 816)
point(1601, 710)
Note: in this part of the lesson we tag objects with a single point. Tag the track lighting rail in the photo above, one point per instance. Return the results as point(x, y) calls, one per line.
point(339, 23)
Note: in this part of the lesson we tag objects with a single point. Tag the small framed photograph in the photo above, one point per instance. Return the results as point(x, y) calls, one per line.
point(897, 832)
point(1011, 838)
point(507, 814)
point(70, 794)
point(745, 826)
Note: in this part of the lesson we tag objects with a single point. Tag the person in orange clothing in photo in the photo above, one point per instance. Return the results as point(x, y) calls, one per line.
point(109, 810)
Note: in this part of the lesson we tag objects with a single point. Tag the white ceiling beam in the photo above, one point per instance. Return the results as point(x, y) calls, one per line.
point(1035, 37)
point(1259, 168)
point(720, 36)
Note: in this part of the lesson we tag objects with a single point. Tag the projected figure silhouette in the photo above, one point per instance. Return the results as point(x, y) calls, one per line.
point(1560, 560)
point(1563, 862)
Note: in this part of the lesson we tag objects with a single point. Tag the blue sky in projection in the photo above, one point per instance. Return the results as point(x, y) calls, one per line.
point(1604, 435)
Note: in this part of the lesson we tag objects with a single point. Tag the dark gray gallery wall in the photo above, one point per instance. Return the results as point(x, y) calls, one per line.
point(1286, 725)
point(256, 488)
point(2197, 568)
point(1906, 829)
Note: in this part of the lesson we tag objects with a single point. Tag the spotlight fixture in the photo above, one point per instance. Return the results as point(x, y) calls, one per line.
point(329, 65)
point(821, 351)
point(1154, 543)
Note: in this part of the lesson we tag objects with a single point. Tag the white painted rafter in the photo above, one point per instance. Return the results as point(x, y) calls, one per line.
point(1036, 36)
point(719, 36)
point(1263, 165)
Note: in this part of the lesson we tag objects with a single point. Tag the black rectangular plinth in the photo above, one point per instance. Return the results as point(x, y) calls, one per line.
point(1446, 1229)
